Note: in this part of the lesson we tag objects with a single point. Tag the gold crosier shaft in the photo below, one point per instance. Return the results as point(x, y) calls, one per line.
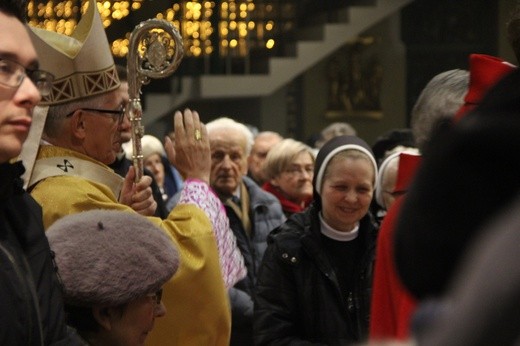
point(155, 51)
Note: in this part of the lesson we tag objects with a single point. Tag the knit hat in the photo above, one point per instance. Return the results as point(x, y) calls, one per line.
point(107, 257)
point(330, 149)
point(484, 72)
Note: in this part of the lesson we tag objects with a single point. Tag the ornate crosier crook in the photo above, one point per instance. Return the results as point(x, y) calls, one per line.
point(155, 51)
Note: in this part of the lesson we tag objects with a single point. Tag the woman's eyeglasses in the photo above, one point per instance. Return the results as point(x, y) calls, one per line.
point(157, 296)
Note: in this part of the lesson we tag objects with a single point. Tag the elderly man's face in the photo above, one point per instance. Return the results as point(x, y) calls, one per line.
point(258, 154)
point(126, 127)
point(16, 103)
point(228, 160)
point(102, 134)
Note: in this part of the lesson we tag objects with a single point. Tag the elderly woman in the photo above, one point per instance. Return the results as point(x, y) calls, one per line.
point(289, 167)
point(315, 279)
point(112, 266)
point(386, 191)
point(154, 156)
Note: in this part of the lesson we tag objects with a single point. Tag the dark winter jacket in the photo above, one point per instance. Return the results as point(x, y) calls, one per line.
point(469, 172)
point(30, 295)
point(265, 215)
point(298, 297)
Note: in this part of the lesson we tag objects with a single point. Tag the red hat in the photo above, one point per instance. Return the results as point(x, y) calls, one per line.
point(484, 72)
point(408, 164)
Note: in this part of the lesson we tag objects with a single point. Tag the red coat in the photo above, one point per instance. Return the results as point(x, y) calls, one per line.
point(392, 306)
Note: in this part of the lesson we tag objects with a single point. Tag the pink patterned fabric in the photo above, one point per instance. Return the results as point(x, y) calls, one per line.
point(231, 261)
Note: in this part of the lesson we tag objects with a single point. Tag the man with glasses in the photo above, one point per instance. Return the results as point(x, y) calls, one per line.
point(116, 114)
point(30, 296)
point(80, 139)
point(121, 165)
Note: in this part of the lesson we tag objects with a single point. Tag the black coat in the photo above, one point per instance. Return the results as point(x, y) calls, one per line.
point(298, 297)
point(469, 172)
point(266, 214)
point(30, 295)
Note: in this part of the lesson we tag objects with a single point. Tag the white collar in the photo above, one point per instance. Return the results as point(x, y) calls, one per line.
point(334, 234)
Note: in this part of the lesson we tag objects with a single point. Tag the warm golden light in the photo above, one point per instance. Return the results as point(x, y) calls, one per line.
point(238, 28)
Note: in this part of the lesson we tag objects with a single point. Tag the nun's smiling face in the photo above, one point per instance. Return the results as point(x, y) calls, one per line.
point(347, 189)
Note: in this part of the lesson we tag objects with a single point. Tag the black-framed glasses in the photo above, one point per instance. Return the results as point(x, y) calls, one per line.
point(157, 296)
point(12, 75)
point(118, 114)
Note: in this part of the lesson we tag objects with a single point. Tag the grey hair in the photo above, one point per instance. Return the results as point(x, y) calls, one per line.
point(513, 31)
point(334, 130)
point(268, 134)
point(440, 99)
point(228, 123)
point(283, 154)
point(57, 113)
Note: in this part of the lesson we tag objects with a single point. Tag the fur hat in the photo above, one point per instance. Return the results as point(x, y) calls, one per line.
point(107, 257)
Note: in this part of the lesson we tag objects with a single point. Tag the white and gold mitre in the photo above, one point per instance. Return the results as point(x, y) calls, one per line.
point(82, 63)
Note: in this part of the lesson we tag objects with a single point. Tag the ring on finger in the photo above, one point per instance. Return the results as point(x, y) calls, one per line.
point(198, 135)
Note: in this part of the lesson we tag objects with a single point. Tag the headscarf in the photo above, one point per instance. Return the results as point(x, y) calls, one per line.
point(328, 151)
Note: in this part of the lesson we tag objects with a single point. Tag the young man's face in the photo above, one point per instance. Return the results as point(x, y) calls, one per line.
point(16, 103)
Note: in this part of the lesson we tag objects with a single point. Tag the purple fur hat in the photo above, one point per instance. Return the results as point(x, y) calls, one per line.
point(110, 257)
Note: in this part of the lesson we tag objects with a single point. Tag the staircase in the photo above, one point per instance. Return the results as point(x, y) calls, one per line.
point(282, 70)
